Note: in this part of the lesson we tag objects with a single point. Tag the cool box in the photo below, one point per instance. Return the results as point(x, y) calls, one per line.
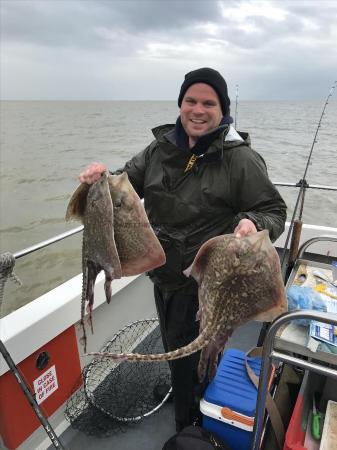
point(229, 402)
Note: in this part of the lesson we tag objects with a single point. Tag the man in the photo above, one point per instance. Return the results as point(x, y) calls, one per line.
point(199, 178)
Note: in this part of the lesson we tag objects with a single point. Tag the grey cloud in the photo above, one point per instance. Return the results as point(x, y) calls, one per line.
point(99, 42)
point(322, 12)
point(50, 23)
point(322, 15)
point(105, 23)
point(165, 15)
point(77, 23)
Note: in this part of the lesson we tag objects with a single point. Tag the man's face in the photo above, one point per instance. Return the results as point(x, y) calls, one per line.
point(200, 110)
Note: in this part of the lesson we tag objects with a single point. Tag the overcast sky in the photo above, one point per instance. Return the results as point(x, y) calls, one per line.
point(141, 49)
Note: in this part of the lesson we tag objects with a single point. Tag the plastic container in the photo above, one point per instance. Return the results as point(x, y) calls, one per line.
point(300, 419)
point(229, 403)
point(329, 435)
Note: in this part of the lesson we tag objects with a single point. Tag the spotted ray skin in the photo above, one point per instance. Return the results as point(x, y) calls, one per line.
point(117, 235)
point(98, 245)
point(138, 247)
point(239, 280)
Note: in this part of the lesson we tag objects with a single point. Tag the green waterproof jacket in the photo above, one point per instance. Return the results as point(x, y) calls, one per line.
point(186, 208)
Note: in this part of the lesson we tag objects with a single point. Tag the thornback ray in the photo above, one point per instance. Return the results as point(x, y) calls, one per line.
point(138, 247)
point(239, 280)
point(93, 205)
point(117, 235)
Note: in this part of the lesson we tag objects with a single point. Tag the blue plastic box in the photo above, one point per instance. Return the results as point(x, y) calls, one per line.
point(229, 402)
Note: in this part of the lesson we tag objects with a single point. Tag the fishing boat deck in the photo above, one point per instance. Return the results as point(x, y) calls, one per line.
point(152, 432)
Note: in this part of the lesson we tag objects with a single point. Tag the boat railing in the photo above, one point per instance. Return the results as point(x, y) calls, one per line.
point(269, 355)
point(78, 229)
point(306, 185)
point(311, 241)
point(47, 242)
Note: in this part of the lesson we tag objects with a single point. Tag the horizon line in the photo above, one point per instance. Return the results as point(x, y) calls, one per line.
point(147, 100)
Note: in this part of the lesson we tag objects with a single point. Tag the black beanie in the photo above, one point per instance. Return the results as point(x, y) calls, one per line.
point(211, 77)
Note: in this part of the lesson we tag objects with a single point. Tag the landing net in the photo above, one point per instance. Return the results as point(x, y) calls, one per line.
point(115, 393)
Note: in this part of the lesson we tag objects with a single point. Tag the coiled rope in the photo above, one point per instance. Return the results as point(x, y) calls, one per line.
point(7, 263)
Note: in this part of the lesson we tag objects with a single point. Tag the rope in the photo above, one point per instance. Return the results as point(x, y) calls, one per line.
point(7, 263)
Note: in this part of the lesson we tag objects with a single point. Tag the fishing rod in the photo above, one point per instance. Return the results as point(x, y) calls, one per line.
point(236, 105)
point(295, 226)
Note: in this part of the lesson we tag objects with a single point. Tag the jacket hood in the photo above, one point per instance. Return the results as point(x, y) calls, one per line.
point(166, 133)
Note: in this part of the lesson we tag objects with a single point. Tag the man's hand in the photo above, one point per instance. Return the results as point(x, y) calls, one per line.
point(92, 172)
point(244, 228)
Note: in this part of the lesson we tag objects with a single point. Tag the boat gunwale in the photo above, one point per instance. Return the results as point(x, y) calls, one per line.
point(60, 306)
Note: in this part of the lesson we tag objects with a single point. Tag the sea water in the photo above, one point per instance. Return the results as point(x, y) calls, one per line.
point(44, 146)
